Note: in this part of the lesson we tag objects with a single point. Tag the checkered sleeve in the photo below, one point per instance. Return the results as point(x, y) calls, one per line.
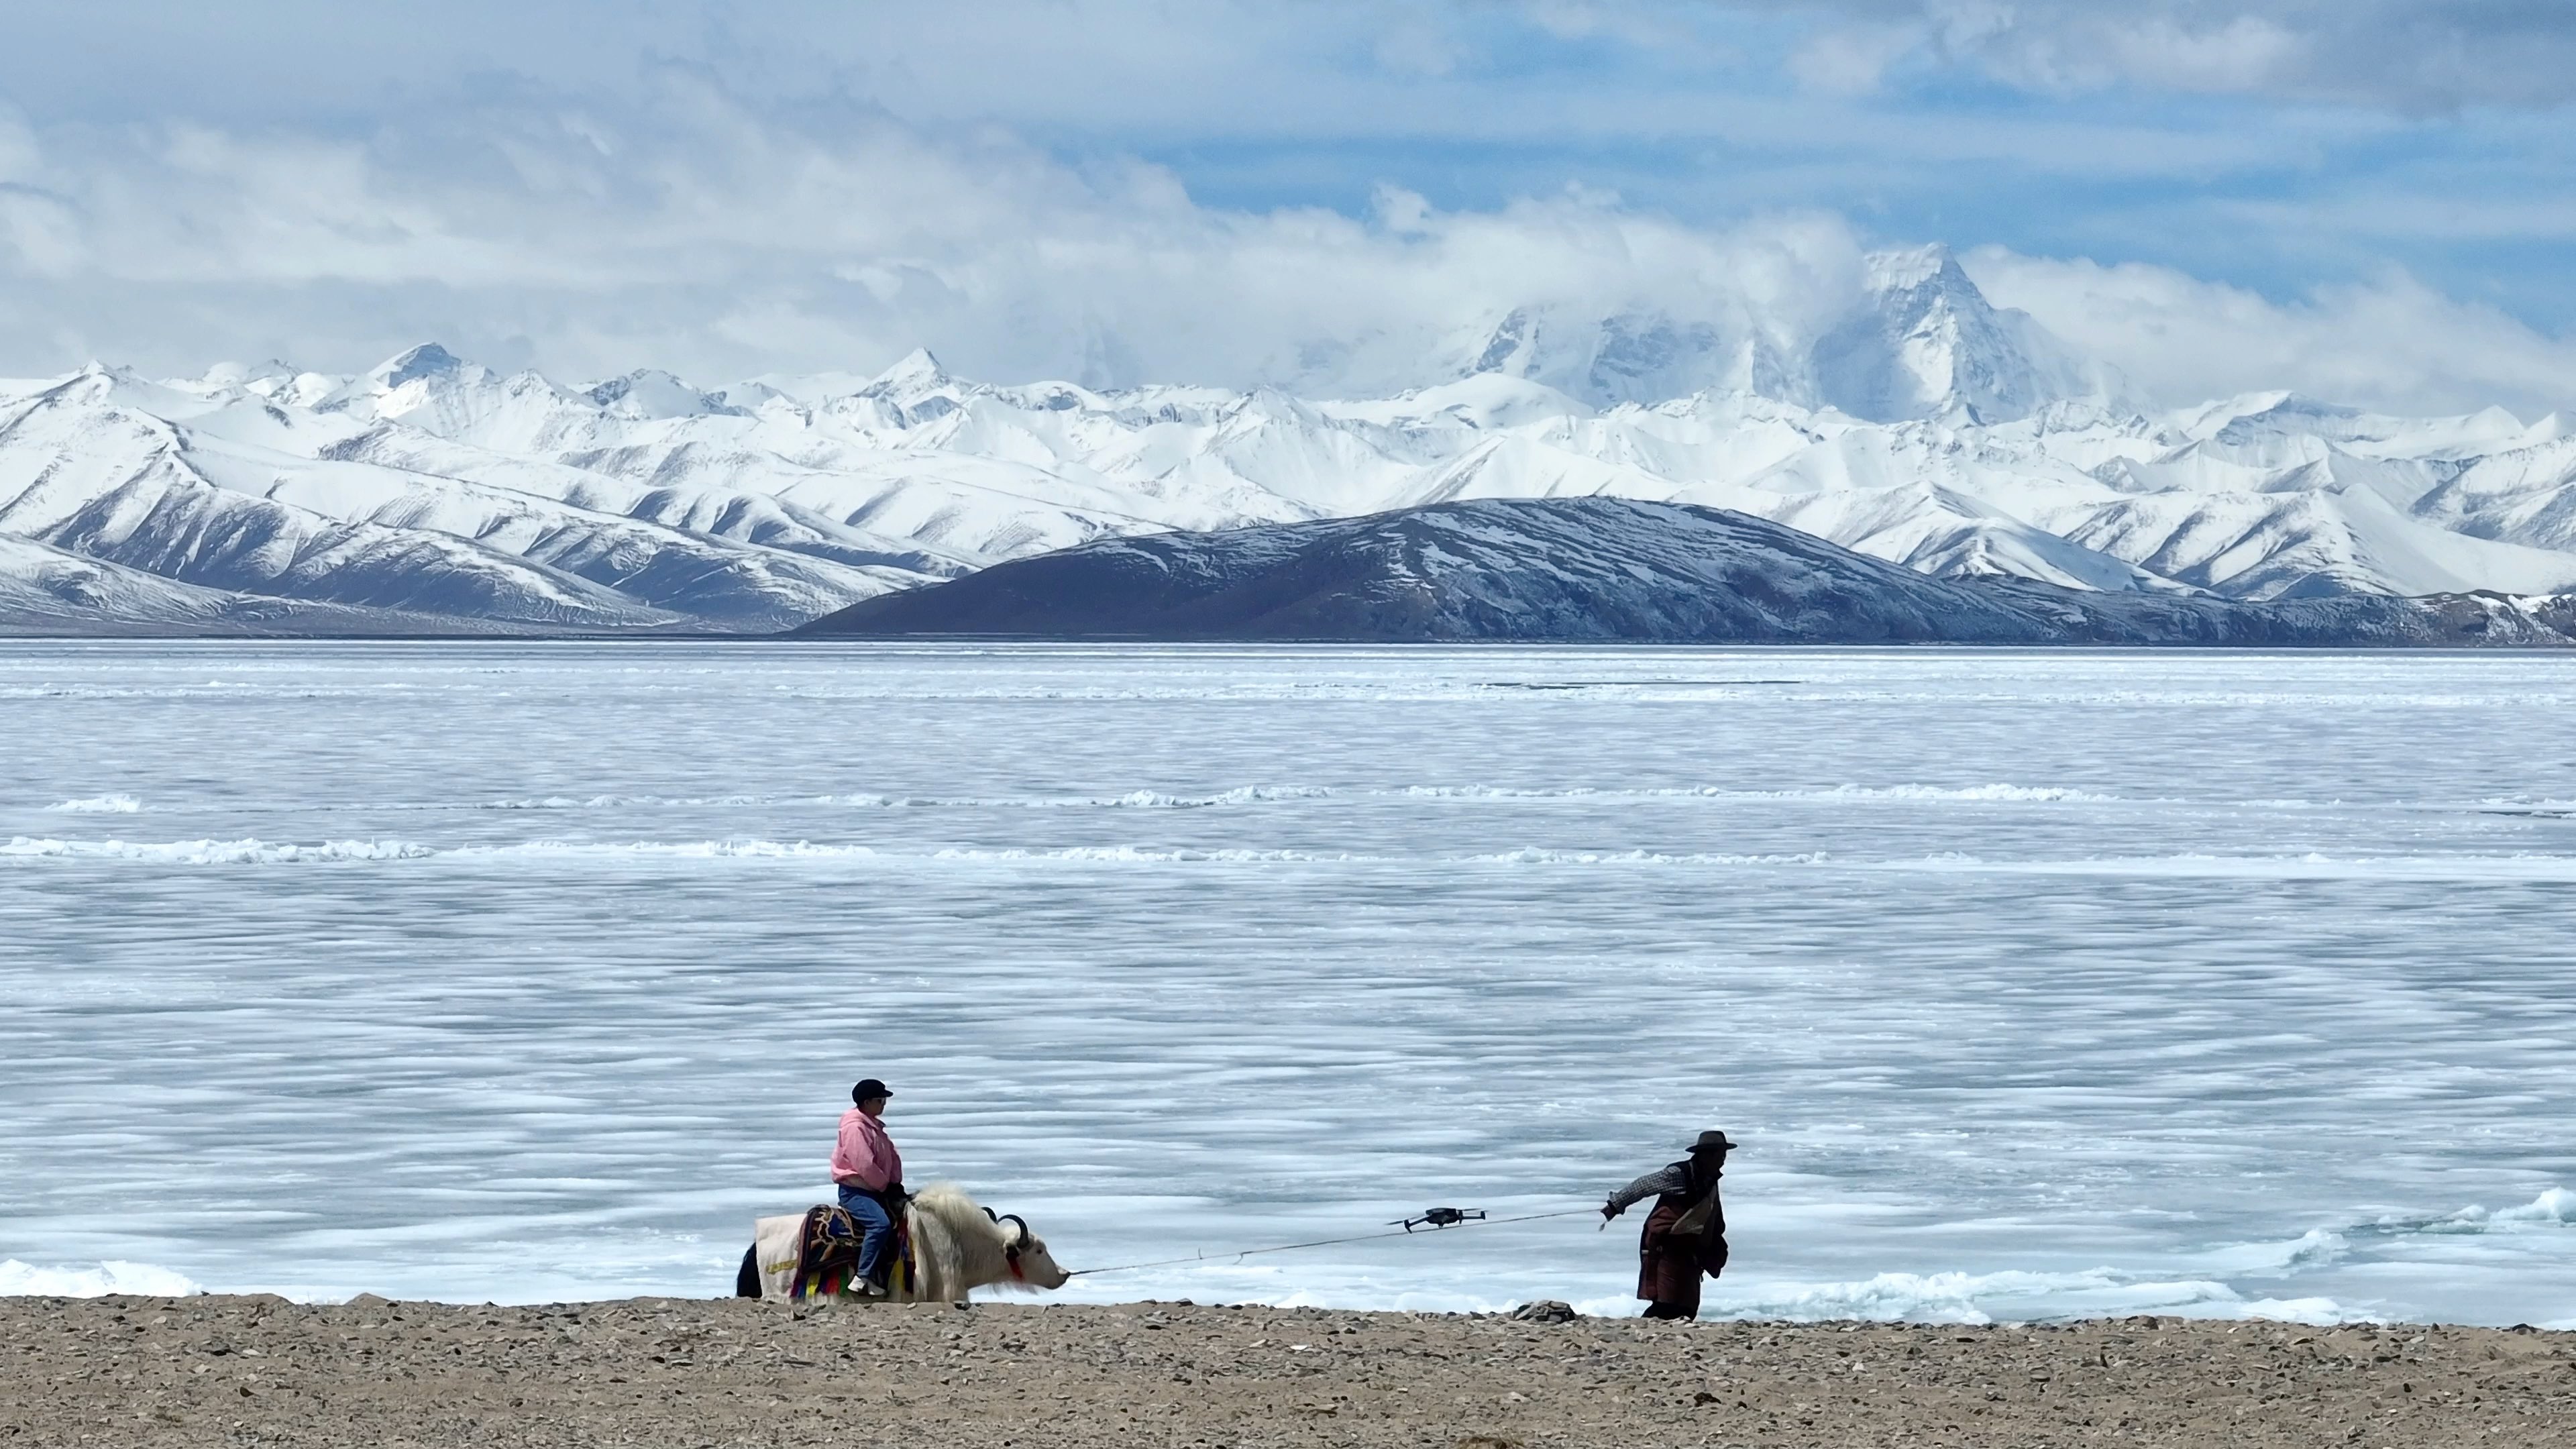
point(1653, 1184)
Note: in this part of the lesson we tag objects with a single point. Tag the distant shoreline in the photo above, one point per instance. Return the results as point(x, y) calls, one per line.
point(860, 643)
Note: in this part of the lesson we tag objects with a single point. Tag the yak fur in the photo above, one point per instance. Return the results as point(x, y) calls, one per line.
point(956, 1246)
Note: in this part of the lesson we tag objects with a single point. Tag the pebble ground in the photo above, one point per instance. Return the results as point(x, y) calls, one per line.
point(260, 1371)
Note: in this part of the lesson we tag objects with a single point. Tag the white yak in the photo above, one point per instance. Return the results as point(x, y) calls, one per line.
point(957, 1246)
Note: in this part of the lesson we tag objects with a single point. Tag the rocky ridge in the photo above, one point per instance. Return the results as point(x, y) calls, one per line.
point(1615, 570)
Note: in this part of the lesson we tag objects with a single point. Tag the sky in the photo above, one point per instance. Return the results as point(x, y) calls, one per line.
point(2368, 200)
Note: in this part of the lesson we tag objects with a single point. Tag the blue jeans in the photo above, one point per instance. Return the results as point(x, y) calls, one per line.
point(876, 1230)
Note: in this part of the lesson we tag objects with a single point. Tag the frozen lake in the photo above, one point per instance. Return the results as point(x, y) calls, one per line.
point(2035, 984)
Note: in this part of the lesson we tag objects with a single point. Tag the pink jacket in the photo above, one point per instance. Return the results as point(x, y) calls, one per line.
point(865, 1156)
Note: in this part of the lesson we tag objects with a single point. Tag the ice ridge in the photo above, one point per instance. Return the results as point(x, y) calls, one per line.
point(18, 1279)
point(98, 805)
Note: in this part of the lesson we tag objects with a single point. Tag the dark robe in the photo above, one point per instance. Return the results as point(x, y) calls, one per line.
point(1669, 1268)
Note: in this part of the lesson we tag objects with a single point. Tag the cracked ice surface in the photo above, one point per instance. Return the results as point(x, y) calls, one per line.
point(2034, 983)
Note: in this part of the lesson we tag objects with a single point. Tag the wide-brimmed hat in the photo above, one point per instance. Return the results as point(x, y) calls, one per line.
point(1712, 1141)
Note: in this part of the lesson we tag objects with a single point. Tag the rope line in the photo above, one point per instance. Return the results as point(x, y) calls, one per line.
point(1206, 1257)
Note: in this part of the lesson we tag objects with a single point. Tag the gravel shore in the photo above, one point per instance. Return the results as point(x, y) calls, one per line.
point(262, 1371)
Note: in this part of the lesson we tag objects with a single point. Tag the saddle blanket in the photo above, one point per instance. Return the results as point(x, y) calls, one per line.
point(815, 1254)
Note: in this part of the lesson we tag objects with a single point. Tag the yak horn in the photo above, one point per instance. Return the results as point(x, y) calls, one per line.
point(1014, 1220)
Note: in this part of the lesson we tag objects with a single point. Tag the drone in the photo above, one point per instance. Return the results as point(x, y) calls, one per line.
point(1440, 1217)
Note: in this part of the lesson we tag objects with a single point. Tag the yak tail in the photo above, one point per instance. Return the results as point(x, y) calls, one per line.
point(746, 1283)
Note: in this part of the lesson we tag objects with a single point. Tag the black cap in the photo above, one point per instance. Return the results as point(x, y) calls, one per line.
point(869, 1088)
point(1712, 1141)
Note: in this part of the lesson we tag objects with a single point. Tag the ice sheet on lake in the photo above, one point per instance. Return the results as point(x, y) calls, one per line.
point(2036, 984)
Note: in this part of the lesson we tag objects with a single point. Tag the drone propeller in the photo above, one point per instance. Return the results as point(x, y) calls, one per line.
point(1440, 1217)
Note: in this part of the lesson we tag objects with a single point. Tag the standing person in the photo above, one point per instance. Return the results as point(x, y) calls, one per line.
point(870, 1173)
point(1685, 1235)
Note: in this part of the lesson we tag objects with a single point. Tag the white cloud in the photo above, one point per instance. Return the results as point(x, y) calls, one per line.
point(2391, 343)
point(2412, 55)
point(694, 234)
point(712, 240)
point(1851, 60)
point(2245, 54)
point(1663, 28)
point(1418, 46)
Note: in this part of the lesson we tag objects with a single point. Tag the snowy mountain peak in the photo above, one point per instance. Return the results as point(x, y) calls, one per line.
point(648, 394)
point(1634, 356)
point(1929, 345)
point(1921, 341)
point(248, 374)
point(1509, 347)
point(916, 374)
point(1907, 268)
point(1646, 357)
point(428, 360)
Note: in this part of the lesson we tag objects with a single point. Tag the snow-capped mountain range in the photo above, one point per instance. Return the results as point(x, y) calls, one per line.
point(1929, 429)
